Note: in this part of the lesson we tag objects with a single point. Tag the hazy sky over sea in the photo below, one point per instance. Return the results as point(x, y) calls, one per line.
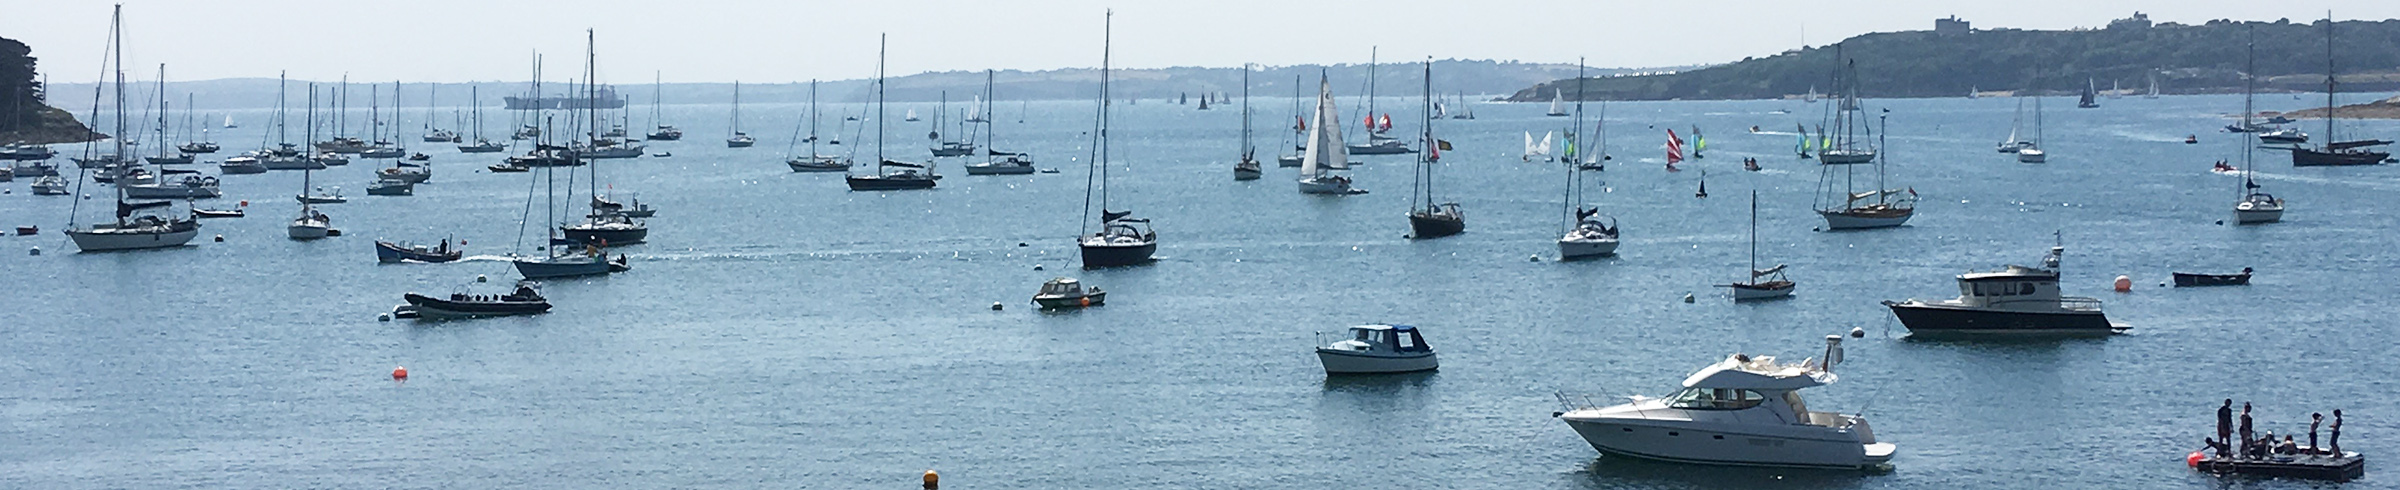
point(775, 41)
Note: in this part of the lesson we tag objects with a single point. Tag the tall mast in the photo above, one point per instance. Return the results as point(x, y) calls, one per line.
point(988, 127)
point(1246, 149)
point(1098, 165)
point(1425, 158)
point(812, 120)
point(474, 95)
point(281, 138)
point(591, 101)
point(1753, 235)
point(882, 46)
point(162, 110)
point(307, 171)
point(1371, 53)
point(2249, 69)
point(2329, 140)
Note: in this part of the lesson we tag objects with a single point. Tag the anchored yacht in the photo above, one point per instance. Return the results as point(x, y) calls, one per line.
point(2016, 300)
point(1742, 411)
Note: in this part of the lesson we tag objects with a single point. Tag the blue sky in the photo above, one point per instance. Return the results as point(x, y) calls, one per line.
point(715, 40)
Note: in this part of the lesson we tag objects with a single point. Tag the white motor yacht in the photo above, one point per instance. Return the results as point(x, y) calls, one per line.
point(1378, 349)
point(1742, 411)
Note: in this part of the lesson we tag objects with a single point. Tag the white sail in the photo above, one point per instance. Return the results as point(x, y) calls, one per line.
point(1529, 144)
point(1556, 98)
point(1544, 148)
point(1325, 148)
point(975, 112)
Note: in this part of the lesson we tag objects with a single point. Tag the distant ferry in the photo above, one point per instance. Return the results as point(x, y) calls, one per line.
point(606, 99)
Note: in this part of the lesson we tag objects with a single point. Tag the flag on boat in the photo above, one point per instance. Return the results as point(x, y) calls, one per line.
point(1442, 144)
point(1674, 148)
point(1299, 124)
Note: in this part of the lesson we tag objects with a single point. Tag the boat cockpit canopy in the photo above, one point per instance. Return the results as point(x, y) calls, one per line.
point(1401, 338)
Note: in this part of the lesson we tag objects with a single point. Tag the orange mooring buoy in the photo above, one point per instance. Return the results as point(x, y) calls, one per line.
point(400, 372)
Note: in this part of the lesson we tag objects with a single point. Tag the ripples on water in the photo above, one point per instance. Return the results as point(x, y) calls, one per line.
point(781, 329)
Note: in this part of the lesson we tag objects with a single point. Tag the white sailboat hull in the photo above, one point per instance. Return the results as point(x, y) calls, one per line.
point(308, 230)
point(1745, 293)
point(1322, 185)
point(101, 242)
point(2032, 155)
point(2245, 213)
point(1578, 248)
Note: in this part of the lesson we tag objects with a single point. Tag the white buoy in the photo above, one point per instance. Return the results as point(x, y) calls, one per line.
point(1858, 332)
point(2124, 284)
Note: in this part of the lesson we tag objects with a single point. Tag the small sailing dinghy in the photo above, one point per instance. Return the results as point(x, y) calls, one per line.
point(1066, 292)
point(1379, 349)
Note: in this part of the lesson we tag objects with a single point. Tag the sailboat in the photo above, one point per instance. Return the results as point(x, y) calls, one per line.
point(1844, 145)
point(1248, 168)
point(2336, 152)
point(1557, 101)
point(2030, 151)
point(2153, 94)
point(2255, 206)
point(664, 131)
point(1597, 159)
point(1426, 219)
point(1465, 110)
point(399, 179)
point(1533, 149)
point(434, 134)
point(2115, 91)
point(1765, 283)
point(885, 178)
point(311, 224)
point(169, 183)
point(1325, 152)
point(1122, 239)
point(2012, 144)
point(128, 231)
point(1009, 163)
point(1699, 143)
point(474, 95)
point(285, 156)
point(1843, 206)
point(739, 138)
point(229, 122)
point(603, 226)
point(2088, 89)
point(204, 145)
point(814, 162)
point(1298, 138)
point(1585, 233)
point(911, 117)
point(945, 147)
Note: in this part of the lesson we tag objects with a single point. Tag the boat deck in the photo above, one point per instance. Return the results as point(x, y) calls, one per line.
point(2349, 465)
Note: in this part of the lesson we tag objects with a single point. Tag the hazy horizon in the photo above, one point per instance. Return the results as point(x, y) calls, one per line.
point(702, 42)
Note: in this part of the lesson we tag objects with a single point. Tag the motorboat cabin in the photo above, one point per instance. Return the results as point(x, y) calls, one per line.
point(1375, 349)
point(1066, 292)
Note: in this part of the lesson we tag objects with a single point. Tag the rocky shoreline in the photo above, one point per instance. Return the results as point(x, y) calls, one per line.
point(56, 126)
point(2381, 109)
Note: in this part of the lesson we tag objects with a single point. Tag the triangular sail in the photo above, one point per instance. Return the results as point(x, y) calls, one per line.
point(1325, 148)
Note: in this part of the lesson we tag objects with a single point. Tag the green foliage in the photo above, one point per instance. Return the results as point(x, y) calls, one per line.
point(2184, 59)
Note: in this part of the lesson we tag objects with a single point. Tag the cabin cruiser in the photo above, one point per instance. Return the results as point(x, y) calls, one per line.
point(2015, 300)
point(818, 163)
point(1378, 349)
point(1381, 145)
point(2287, 136)
point(1015, 164)
point(1742, 411)
point(1066, 292)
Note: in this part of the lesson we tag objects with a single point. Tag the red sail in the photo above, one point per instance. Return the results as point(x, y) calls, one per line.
point(1674, 148)
point(1387, 122)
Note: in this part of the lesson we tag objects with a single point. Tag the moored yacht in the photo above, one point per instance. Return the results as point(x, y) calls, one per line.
point(2016, 300)
point(1379, 349)
point(1743, 411)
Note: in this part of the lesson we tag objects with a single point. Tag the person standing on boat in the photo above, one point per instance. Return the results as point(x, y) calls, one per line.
point(2225, 427)
point(2246, 429)
point(2314, 420)
point(2336, 438)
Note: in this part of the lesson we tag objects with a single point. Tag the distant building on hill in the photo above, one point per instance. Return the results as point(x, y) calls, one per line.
point(1951, 26)
point(2137, 21)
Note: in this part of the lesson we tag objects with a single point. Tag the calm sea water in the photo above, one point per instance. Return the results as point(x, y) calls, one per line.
point(779, 330)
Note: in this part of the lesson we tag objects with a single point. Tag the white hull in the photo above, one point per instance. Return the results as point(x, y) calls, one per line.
point(999, 169)
point(1571, 248)
point(2255, 216)
point(1804, 446)
point(1345, 362)
point(1838, 221)
point(1325, 186)
point(2032, 156)
point(308, 231)
point(102, 242)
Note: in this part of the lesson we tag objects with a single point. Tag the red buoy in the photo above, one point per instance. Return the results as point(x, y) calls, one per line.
point(2194, 459)
point(400, 372)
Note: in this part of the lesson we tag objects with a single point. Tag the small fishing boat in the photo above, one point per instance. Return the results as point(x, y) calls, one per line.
point(2190, 279)
point(219, 213)
point(631, 207)
point(1379, 349)
point(524, 301)
point(389, 187)
point(392, 253)
point(1066, 292)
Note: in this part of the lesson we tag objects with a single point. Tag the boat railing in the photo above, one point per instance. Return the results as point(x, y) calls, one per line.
point(2079, 303)
point(1569, 402)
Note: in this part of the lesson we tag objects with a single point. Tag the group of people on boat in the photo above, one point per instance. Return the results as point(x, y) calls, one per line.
point(523, 294)
point(2252, 447)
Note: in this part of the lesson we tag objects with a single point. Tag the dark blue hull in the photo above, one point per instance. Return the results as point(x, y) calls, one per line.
point(1114, 256)
point(1936, 321)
